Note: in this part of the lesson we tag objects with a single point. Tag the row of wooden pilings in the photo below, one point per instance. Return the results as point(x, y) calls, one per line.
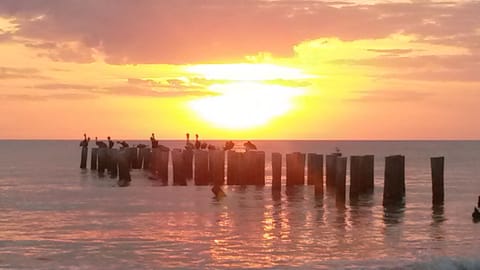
point(248, 168)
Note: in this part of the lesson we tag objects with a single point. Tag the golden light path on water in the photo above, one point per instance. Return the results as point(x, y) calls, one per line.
point(249, 95)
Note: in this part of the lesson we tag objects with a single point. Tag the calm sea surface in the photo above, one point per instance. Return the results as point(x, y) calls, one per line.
point(55, 216)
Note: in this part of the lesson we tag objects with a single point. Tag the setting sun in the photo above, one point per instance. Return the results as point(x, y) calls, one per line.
point(242, 105)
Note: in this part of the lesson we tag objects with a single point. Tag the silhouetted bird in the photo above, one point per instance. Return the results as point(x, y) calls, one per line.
point(203, 145)
point(100, 144)
point(84, 142)
point(211, 147)
point(124, 144)
point(110, 142)
point(153, 141)
point(198, 145)
point(250, 146)
point(228, 145)
point(188, 144)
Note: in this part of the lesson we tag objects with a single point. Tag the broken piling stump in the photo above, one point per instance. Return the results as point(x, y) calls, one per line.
point(437, 168)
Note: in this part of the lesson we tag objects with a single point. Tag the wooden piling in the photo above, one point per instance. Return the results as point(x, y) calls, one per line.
point(315, 171)
point(133, 157)
point(201, 168)
point(340, 179)
point(437, 168)
point(356, 176)
point(216, 167)
point(147, 157)
point(250, 163)
point(331, 169)
point(368, 170)
point(233, 168)
point(155, 162)
point(276, 171)
point(188, 164)
point(83, 159)
point(179, 175)
point(394, 187)
point(260, 168)
point(102, 161)
point(124, 177)
point(163, 165)
point(113, 163)
point(295, 169)
point(93, 159)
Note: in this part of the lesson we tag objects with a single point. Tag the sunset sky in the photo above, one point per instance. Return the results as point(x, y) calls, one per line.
point(240, 69)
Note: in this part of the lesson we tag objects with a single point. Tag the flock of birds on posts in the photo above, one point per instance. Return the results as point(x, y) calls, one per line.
point(197, 144)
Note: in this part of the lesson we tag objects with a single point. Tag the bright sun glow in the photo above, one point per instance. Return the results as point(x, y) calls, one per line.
point(242, 105)
point(248, 98)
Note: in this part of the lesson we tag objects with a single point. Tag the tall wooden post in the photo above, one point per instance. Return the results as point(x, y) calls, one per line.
point(163, 165)
point(124, 178)
point(147, 157)
point(437, 166)
point(276, 171)
point(394, 187)
point(250, 162)
point(201, 168)
point(341, 179)
point(295, 169)
point(102, 160)
point(133, 156)
point(315, 171)
point(93, 159)
point(179, 177)
point(155, 162)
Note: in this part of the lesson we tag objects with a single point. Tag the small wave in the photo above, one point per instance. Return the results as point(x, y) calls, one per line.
point(445, 263)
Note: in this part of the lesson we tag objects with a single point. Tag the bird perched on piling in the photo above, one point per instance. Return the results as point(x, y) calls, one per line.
point(188, 144)
point(228, 145)
point(476, 211)
point(100, 144)
point(249, 146)
point(197, 142)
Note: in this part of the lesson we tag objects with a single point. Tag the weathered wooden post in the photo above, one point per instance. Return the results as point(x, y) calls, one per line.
point(201, 168)
point(340, 180)
point(233, 168)
point(147, 157)
point(331, 169)
point(295, 169)
point(102, 160)
point(133, 157)
point(368, 170)
point(155, 162)
point(216, 165)
point(315, 170)
point(276, 171)
point(250, 162)
point(356, 176)
point(124, 178)
point(260, 168)
point(437, 166)
point(113, 156)
point(244, 174)
point(394, 187)
point(179, 176)
point(93, 159)
point(188, 163)
point(83, 160)
point(163, 165)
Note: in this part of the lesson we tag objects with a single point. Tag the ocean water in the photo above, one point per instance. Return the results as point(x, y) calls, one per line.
point(55, 216)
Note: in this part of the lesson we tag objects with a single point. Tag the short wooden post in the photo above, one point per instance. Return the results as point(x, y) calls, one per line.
point(356, 176)
point(233, 168)
point(340, 180)
point(368, 170)
point(201, 168)
point(93, 159)
point(290, 163)
point(394, 187)
point(155, 162)
point(83, 160)
point(113, 157)
point(331, 169)
point(179, 177)
point(216, 167)
point(243, 171)
point(260, 168)
point(133, 156)
point(276, 171)
point(437, 166)
point(188, 163)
